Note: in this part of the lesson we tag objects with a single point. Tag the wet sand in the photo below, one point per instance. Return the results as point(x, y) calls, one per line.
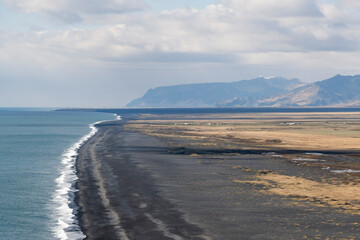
point(131, 186)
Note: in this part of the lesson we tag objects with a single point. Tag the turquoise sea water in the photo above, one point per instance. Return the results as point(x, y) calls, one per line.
point(37, 171)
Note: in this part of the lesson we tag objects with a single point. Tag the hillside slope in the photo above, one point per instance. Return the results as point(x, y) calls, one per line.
point(215, 94)
point(336, 91)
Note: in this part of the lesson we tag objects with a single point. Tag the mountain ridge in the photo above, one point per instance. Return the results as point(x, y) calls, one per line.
point(212, 94)
point(336, 91)
point(341, 91)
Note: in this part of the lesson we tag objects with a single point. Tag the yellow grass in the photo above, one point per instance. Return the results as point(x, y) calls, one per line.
point(312, 131)
point(340, 196)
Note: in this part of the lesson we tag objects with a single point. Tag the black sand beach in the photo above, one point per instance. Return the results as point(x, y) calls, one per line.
point(132, 187)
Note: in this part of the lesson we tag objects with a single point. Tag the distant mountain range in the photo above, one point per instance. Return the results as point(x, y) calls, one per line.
point(342, 91)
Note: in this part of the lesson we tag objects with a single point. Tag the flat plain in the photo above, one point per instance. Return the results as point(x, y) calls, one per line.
point(222, 176)
point(327, 141)
point(268, 131)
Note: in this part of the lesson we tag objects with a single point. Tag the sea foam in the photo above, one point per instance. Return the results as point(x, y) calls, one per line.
point(66, 225)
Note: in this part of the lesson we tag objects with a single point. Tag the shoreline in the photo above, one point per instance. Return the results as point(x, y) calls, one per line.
point(64, 197)
point(133, 186)
point(134, 211)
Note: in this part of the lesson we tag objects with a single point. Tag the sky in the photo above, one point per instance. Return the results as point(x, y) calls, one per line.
point(105, 53)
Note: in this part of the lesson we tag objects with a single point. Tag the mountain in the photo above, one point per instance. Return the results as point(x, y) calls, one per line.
point(216, 94)
point(339, 91)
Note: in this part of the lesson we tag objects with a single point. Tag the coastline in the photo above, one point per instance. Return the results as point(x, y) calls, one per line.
point(132, 186)
point(65, 211)
point(122, 204)
point(38, 151)
point(64, 197)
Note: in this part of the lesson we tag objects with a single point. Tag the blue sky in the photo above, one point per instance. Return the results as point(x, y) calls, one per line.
point(63, 53)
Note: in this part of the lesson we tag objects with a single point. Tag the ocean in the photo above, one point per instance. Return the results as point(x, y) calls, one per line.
point(37, 156)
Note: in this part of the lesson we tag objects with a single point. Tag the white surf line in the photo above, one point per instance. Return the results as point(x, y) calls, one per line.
point(66, 226)
point(112, 214)
point(117, 117)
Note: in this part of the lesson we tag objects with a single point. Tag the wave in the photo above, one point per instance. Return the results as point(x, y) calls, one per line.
point(117, 117)
point(64, 212)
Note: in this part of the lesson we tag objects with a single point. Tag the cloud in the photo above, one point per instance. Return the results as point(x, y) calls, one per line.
point(216, 33)
point(229, 40)
point(275, 8)
point(174, 57)
point(352, 4)
point(70, 11)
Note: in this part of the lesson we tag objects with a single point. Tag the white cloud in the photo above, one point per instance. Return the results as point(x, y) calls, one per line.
point(302, 39)
point(230, 28)
point(75, 10)
point(275, 8)
point(352, 4)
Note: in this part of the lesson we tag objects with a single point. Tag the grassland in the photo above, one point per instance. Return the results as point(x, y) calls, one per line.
point(267, 131)
point(343, 196)
point(329, 141)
